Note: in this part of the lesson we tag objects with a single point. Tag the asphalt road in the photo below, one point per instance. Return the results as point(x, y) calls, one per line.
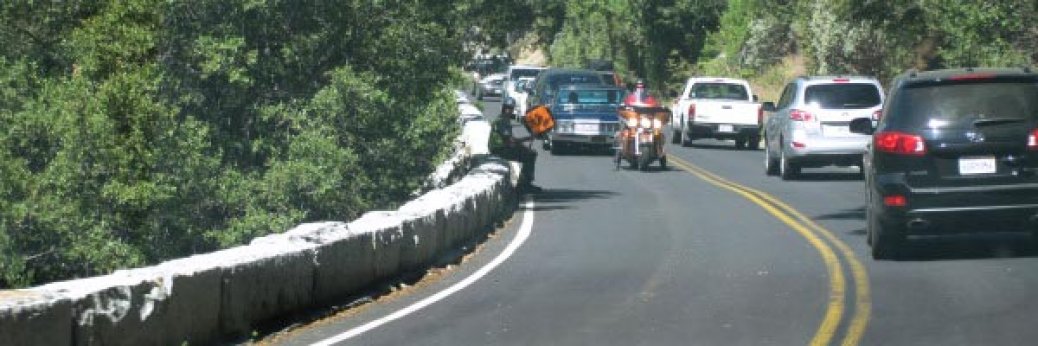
point(705, 253)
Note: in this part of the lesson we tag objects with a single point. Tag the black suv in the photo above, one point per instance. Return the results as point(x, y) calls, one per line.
point(953, 151)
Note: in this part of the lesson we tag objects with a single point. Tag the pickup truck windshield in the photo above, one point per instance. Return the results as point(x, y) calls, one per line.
point(719, 91)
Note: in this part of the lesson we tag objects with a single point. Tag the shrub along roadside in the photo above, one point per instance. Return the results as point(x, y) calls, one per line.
point(142, 130)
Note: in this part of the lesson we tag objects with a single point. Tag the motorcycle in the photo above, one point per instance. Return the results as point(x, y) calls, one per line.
point(640, 141)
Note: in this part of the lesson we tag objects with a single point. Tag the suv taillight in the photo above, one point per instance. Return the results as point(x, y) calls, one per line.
point(899, 143)
point(760, 115)
point(877, 115)
point(692, 111)
point(1032, 140)
point(799, 115)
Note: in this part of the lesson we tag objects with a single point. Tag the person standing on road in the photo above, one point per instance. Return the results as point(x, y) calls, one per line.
point(505, 145)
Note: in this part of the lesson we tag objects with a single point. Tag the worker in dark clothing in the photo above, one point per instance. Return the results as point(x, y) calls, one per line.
point(505, 145)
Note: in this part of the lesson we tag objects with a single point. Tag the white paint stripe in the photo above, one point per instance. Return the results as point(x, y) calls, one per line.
point(525, 228)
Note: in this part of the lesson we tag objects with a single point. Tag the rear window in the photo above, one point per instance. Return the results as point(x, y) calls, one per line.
point(523, 72)
point(561, 79)
point(719, 91)
point(938, 105)
point(842, 96)
point(590, 97)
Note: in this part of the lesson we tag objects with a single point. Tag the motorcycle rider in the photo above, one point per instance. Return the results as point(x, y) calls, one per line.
point(640, 97)
point(505, 145)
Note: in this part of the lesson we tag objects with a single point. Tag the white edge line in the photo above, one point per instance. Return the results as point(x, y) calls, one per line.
point(525, 228)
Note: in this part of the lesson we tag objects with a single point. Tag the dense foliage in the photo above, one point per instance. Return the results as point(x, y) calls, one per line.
point(648, 39)
point(878, 38)
point(133, 131)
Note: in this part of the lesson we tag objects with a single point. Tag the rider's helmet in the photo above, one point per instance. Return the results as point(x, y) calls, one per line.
point(640, 97)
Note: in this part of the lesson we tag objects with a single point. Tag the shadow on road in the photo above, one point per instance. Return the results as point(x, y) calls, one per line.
point(560, 199)
point(828, 176)
point(971, 246)
point(584, 151)
point(730, 146)
point(848, 214)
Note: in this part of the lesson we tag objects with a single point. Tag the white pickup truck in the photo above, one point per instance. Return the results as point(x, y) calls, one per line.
point(720, 108)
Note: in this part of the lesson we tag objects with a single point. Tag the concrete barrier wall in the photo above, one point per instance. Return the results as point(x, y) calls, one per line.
point(225, 294)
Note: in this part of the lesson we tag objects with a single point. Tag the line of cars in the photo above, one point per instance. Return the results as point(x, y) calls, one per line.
point(582, 101)
point(942, 152)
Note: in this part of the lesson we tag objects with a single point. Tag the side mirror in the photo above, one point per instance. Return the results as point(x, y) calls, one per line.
point(862, 126)
point(769, 106)
point(756, 99)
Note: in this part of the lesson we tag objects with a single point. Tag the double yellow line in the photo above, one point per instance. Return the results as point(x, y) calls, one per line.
point(823, 241)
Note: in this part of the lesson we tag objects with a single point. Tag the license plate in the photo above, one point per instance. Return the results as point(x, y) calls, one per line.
point(837, 130)
point(725, 128)
point(977, 165)
point(586, 128)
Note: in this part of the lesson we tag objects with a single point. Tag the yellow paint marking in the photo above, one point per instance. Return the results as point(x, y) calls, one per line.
point(862, 300)
point(837, 283)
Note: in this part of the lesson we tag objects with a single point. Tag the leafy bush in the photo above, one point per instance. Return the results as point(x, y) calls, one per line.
point(137, 131)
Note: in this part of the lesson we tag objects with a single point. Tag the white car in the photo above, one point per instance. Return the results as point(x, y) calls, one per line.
point(809, 127)
point(514, 74)
point(520, 95)
point(492, 85)
point(718, 108)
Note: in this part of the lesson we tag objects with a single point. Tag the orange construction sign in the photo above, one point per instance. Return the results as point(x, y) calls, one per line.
point(539, 120)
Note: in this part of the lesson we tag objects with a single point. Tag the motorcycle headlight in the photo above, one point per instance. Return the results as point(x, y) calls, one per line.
point(631, 122)
point(657, 123)
point(646, 122)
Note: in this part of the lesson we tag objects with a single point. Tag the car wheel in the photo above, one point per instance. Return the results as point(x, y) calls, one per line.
point(685, 140)
point(740, 143)
point(754, 142)
point(663, 163)
point(555, 148)
point(861, 168)
point(771, 165)
point(644, 162)
point(787, 169)
point(885, 242)
point(676, 135)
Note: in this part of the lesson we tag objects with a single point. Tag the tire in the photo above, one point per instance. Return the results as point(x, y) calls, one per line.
point(861, 168)
point(771, 166)
point(754, 142)
point(644, 163)
point(740, 143)
point(787, 169)
point(885, 242)
point(685, 139)
point(663, 163)
point(676, 136)
point(555, 149)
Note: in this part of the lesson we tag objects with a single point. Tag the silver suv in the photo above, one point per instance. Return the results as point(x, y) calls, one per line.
point(809, 125)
